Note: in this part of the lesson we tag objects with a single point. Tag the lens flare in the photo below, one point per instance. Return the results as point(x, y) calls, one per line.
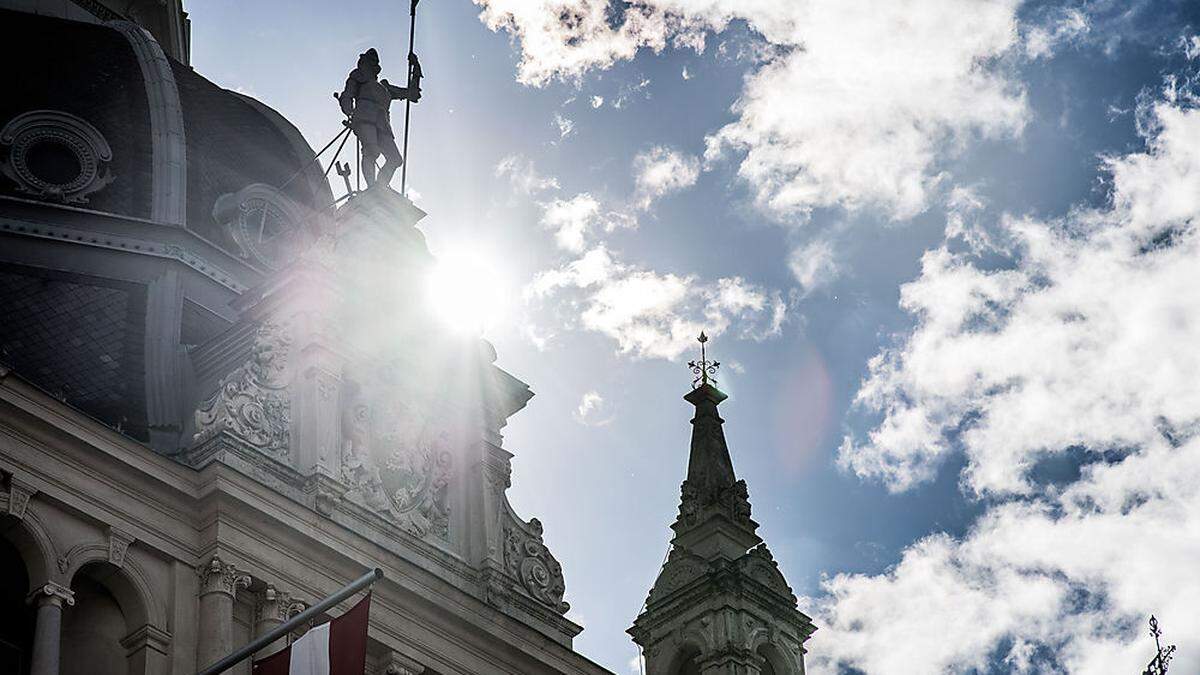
point(466, 291)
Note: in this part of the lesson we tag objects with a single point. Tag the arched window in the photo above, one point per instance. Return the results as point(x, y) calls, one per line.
point(93, 627)
point(774, 661)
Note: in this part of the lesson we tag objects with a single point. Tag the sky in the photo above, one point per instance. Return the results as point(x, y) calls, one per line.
point(945, 250)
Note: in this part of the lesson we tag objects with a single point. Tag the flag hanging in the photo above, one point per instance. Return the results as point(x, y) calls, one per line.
point(338, 647)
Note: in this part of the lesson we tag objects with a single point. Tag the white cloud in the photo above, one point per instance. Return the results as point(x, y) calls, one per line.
point(1085, 345)
point(660, 171)
point(523, 176)
point(814, 265)
point(593, 410)
point(685, 74)
point(574, 221)
point(655, 315)
point(854, 103)
point(570, 219)
point(1068, 26)
point(597, 101)
point(565, 125)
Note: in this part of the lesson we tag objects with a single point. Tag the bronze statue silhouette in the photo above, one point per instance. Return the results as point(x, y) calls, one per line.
point(367, 101)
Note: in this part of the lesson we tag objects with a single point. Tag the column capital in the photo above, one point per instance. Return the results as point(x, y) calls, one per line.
point(51, 593)
point(277, 606)
point(218, 576)
point(399, 664)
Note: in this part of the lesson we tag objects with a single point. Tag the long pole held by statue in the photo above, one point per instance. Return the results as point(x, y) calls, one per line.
point(414, 80)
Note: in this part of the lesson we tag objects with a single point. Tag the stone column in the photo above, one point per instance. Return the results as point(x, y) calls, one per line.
point(219, 584)
point(47, 636)
point(274, 607)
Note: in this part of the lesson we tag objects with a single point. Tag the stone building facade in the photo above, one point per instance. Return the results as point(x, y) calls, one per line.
point(222, 396)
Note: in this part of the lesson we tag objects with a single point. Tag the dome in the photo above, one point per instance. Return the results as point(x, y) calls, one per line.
point(104, 120)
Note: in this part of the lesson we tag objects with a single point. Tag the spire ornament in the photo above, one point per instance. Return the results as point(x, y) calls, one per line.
point(703, 369)
point(1158, 665)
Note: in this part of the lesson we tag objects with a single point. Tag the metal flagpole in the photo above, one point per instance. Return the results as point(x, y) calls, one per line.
point(300, 619)
point(412, 34)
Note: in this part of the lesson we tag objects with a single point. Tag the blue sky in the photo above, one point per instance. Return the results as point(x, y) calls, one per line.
point(945, 251)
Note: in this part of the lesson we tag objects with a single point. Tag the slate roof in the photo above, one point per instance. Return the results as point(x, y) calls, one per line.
point(79, 338)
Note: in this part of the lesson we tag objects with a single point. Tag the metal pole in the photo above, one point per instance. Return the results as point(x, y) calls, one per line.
point(412, 35)
point(288, 626)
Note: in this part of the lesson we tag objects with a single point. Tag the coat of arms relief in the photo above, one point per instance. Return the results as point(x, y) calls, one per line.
point(396, 464)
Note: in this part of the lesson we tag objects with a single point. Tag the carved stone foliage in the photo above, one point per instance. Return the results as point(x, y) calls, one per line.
point(55, 155)
point(397, 465)
point(699, 501)
point(276, 606)
point(252, 403)
point(528, 560)
point(218, 576)
point(118, 545)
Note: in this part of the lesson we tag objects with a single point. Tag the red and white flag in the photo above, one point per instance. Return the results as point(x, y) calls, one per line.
point(338, 647)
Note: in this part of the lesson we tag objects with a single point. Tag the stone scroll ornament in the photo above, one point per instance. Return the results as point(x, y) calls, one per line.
point(398, 472)
point(251, 403)
point(528, 559)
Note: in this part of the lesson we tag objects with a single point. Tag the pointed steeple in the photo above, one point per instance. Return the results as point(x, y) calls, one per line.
point(719, 572)
point(714, 506)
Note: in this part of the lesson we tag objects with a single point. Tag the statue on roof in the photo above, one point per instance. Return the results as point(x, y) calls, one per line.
point(367, 101)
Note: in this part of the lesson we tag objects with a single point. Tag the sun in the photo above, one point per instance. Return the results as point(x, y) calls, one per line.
point(466, 289)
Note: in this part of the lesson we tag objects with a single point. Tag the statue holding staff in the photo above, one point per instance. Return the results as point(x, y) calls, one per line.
point(367, 101)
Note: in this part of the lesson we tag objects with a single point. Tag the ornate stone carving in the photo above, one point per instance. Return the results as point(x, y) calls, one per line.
point(118, 545)
point(251, 403)
point(217, 576)
point(397, 470)
point(681, 569)
point(19, 494)
point(277, 606)
point(52, 592)
point(698, 501)
point(55, 155)
point(759, 565)
point(528, 560)
point(264, 223)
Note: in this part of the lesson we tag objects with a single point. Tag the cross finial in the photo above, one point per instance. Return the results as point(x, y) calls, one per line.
point(703, 368)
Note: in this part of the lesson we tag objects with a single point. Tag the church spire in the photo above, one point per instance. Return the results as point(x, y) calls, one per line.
point(714, 506)
point(719, 606)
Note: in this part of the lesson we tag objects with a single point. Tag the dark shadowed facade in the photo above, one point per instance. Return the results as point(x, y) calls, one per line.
point(221, 398)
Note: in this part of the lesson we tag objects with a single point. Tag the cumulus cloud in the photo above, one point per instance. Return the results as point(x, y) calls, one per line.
point(660, 171)
point(813, 265)
point(853, 104)
point(574, 221)
point(651, 314)
point(1083, 349)
point(597, 101)
point(523, 177)
point(593, 410)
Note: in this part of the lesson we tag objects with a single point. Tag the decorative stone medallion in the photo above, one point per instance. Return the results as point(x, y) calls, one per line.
point(251, 403)
point(395, 468)
point(55, 155)
point(263, 222)
point(528, 559)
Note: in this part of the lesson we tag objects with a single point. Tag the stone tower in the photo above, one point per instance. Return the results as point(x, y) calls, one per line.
point(719, 606)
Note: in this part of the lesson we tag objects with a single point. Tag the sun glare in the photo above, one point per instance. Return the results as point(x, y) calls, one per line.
point(466, 291)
